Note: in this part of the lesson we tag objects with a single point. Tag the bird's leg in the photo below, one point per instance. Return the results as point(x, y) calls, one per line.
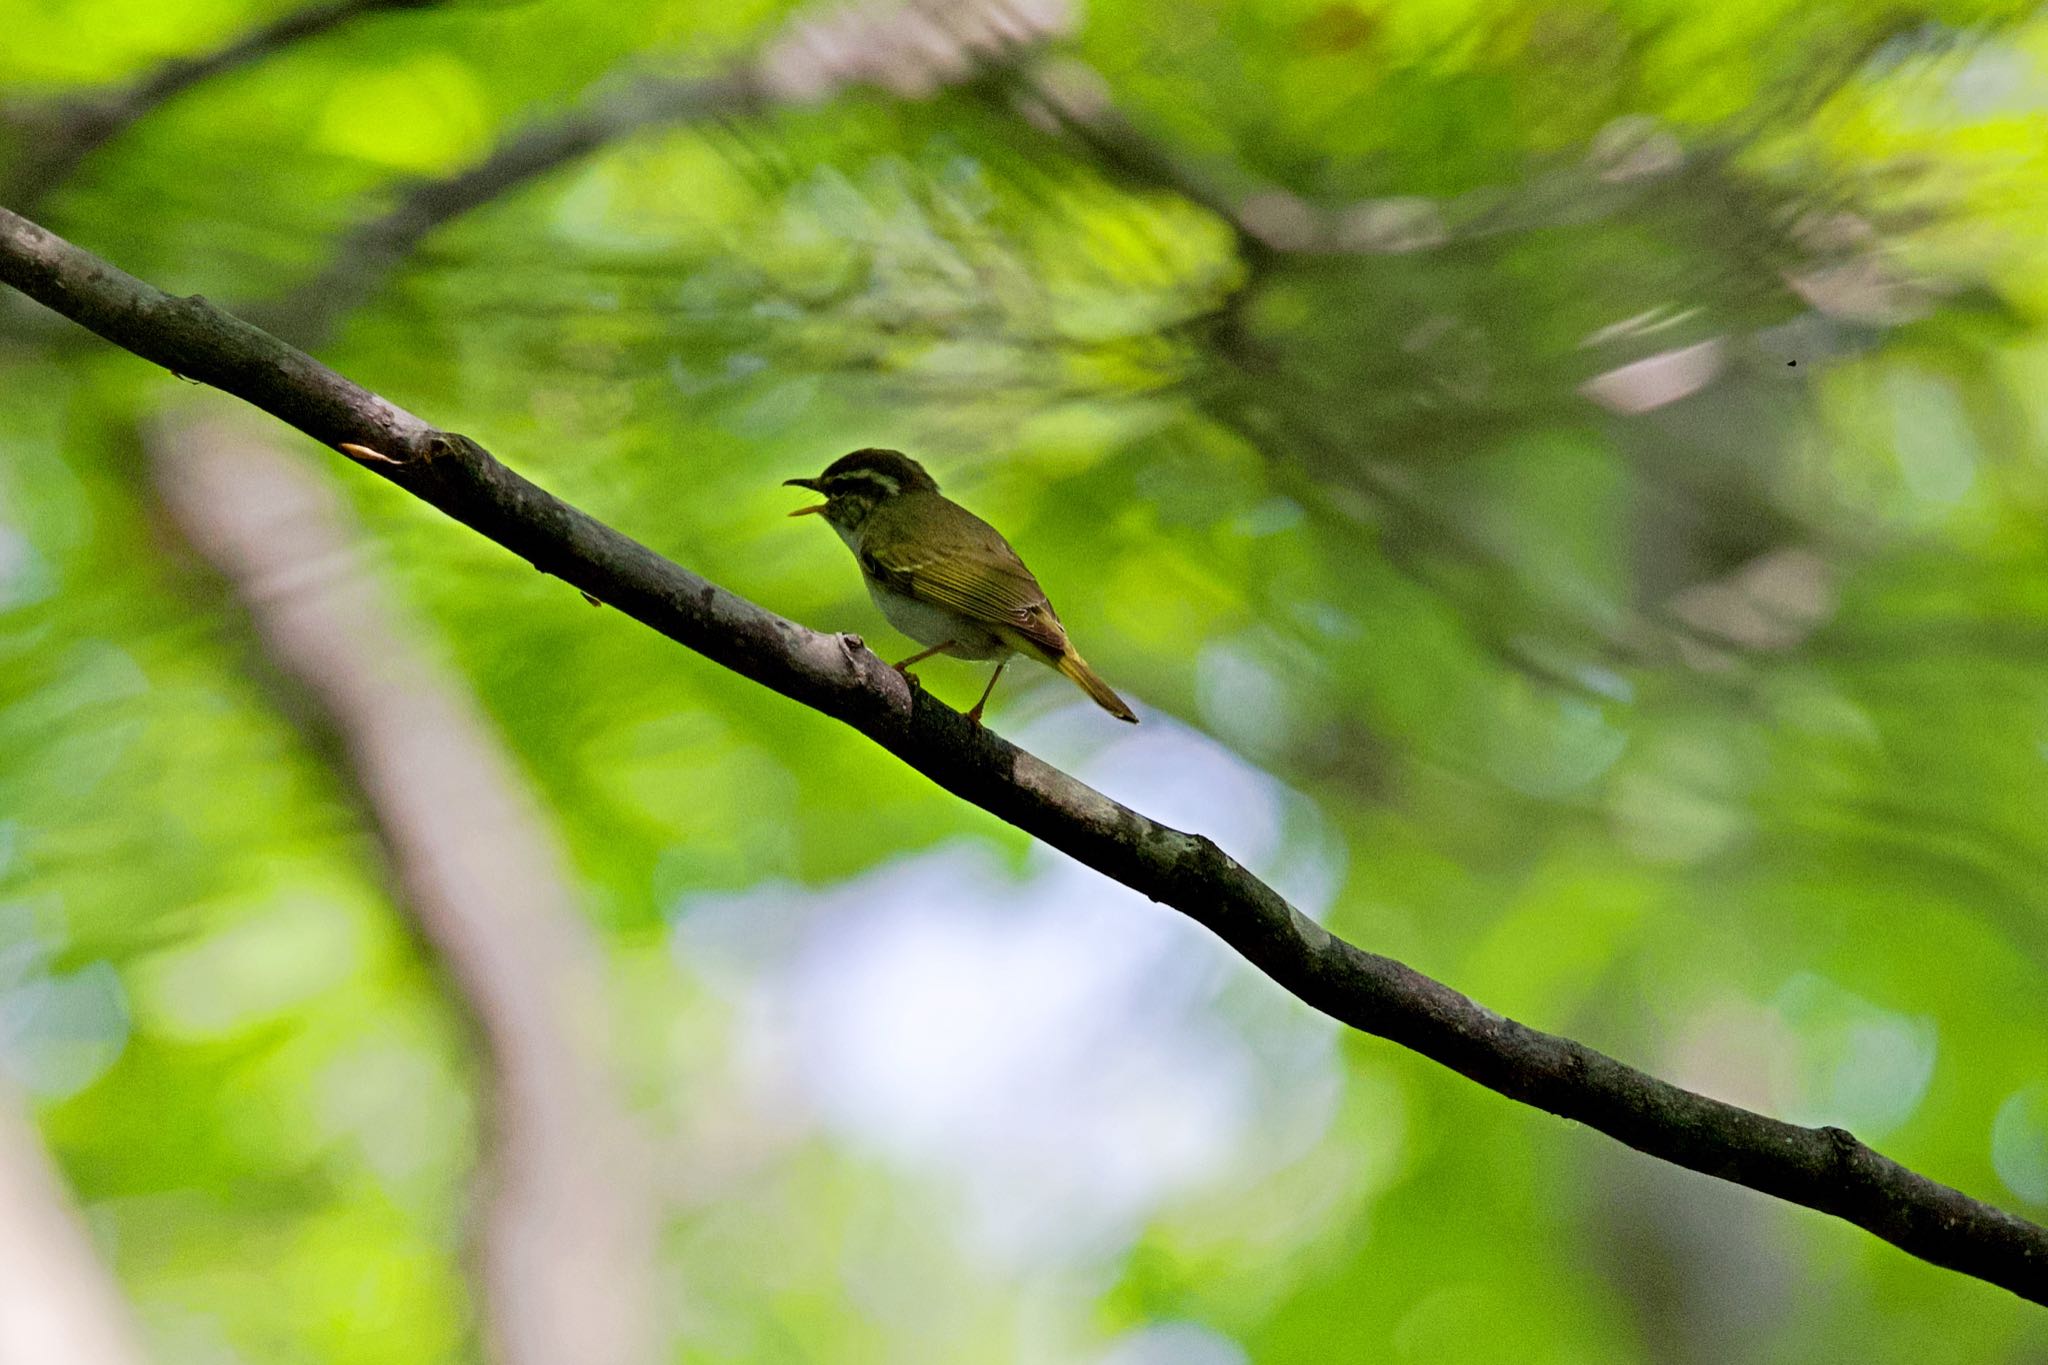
point(975, 714)
point(921, 657)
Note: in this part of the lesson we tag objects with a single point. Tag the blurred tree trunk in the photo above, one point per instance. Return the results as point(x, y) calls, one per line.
point(566, 1241)
point(58, 1302)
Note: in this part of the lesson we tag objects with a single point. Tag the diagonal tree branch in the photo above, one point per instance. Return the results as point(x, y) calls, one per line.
point(78, 128)
point(1821, 1168)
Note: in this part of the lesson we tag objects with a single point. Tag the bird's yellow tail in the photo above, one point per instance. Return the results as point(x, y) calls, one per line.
point(1075, 667)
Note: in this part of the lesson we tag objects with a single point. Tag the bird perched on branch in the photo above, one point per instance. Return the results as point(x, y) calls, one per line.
point(942, 575)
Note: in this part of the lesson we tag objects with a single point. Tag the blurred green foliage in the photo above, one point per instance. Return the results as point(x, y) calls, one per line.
point(1595, 463)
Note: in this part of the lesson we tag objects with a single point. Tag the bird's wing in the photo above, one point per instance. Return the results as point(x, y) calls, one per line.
point(961, 563)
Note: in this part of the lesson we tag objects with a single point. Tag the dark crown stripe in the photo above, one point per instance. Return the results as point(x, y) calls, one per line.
point(874, 478)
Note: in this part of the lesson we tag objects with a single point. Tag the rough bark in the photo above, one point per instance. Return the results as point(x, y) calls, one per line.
point(1821, 1168)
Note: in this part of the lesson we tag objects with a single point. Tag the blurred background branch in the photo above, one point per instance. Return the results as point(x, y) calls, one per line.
point(911, 49)
point(57, 139)
point(567, 1206)
point(365, 253)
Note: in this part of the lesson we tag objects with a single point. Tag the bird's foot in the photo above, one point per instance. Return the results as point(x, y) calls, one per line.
point(919, 657)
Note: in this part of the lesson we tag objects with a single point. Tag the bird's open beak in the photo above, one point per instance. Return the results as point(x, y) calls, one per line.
point(811, 484)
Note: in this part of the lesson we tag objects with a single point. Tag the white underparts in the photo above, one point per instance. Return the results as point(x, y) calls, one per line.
point(931, 625)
